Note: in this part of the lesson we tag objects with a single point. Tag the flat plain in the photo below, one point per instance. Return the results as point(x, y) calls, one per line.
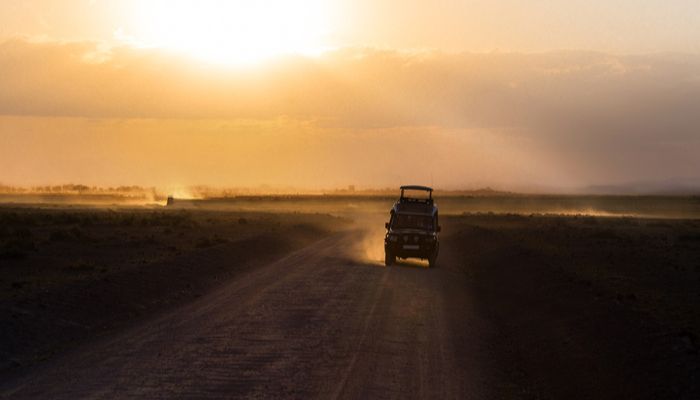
point(213, 302)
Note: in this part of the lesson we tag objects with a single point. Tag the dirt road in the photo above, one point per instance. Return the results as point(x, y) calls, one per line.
point(321, 322)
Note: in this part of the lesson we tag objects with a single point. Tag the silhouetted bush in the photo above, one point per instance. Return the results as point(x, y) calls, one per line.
point(77, 233)
point(689, 237)
point(59, 236)
point(209, 242)
point(23, 233)
point(81, 266)
point(17, 247)
point(204, 242)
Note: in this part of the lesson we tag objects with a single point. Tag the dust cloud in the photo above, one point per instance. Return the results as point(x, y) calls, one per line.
point(372, 229)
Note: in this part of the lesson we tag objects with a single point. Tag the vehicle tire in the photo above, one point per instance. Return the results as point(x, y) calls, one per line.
point(432, 261)
point(389, 259)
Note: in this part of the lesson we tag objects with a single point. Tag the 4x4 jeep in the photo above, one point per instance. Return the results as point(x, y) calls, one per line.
point(413, 228)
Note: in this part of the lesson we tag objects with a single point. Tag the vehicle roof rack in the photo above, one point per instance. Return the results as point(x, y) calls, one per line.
point(405, 199)
point(416, 187)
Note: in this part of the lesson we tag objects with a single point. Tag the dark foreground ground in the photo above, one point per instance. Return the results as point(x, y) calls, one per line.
point(191, 304)
point(68, 275)
point(587, 307)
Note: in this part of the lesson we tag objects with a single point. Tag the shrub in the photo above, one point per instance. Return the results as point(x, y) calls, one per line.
point(204, 242)
point(77, 232)
point(17, 248)
point(209, 242)
point(23, 233)
point(689, 237)
point(59, 236)
point(82, 266)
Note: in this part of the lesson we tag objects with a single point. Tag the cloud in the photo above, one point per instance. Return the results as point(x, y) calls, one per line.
point(597, 117)
point(349, 87)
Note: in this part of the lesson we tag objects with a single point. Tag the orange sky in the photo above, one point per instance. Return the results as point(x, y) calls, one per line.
point(365, 93)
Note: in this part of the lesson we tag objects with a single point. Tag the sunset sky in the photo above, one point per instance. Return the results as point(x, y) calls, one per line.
point(547, 95)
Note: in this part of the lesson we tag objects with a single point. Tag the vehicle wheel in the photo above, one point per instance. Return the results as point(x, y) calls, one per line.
point(389, 259)
point(432, 260)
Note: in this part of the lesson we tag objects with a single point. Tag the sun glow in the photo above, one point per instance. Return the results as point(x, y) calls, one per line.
point(232, 31)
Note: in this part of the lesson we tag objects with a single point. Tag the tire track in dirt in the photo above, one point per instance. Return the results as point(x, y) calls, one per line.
point(319, 323)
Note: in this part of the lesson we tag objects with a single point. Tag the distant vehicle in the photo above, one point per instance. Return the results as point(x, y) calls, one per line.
point(412, 231)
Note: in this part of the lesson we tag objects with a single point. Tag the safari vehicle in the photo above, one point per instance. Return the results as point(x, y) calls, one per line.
point(412, 231)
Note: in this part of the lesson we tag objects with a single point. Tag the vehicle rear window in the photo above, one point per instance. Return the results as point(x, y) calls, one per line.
point(403, 221)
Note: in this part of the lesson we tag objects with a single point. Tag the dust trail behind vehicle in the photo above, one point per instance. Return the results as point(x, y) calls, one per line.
point(612, 206)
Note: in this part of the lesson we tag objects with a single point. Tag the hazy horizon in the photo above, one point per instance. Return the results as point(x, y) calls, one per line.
point(329, 94)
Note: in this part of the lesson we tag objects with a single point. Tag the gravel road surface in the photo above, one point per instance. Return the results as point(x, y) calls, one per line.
point(322, 322)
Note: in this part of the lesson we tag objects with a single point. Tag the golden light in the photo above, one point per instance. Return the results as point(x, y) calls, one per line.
point(233, 31)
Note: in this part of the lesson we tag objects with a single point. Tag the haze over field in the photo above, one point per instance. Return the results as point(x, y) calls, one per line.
point(553, 96)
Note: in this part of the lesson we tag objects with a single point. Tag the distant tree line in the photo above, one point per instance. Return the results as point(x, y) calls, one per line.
point(78, 189)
